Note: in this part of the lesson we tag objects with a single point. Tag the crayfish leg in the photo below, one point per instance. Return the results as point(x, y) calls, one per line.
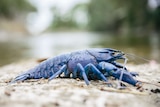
point(62, 69)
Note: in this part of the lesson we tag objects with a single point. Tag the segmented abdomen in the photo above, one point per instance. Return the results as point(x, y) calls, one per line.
point(47, 68)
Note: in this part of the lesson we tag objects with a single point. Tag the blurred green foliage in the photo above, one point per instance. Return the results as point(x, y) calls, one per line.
point(101, 15)
point(62, 22)
point(68, 20)
point(114, 15)
point(133, 16)
point(120, 16)
point(9, 8)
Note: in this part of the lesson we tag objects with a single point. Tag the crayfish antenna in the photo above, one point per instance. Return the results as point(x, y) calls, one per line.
point(121, 76)
point(139, 57)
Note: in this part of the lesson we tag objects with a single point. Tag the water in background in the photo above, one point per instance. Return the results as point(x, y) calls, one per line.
point(51, 44)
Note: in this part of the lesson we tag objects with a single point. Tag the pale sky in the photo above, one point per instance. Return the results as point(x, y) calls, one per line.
point(153, 3)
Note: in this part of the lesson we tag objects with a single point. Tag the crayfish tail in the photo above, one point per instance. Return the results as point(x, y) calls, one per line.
point(20, 78)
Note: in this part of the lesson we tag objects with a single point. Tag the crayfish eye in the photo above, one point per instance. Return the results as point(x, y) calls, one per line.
point(113, 53)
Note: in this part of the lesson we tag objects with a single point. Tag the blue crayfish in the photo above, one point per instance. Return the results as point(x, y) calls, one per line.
point(91, 64)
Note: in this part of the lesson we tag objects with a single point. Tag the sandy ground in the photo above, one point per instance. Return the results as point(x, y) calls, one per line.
point(74, 93)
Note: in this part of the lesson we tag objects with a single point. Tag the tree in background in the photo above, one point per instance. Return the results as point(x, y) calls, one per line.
point(102, 15)
point(74, 19)
point(10, 8)
point(13, 15)
point(62, 22)
point(107, 15)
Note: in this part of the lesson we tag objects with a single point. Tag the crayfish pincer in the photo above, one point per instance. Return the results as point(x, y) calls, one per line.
point(90, 64)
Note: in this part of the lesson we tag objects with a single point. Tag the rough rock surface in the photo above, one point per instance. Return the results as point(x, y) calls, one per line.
point(74, 93)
